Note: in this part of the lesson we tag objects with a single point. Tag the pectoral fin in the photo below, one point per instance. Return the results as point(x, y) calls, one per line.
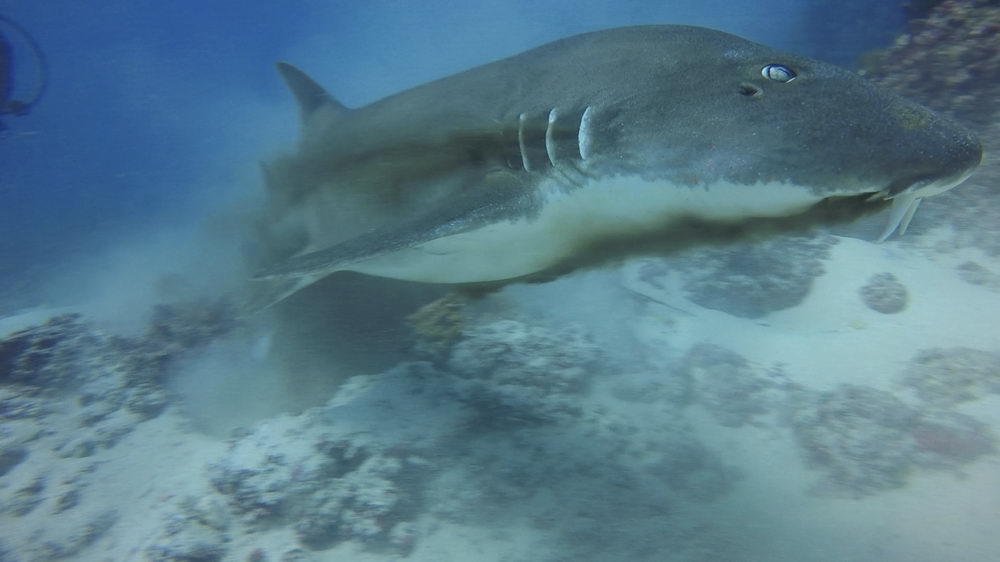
point(499, 196)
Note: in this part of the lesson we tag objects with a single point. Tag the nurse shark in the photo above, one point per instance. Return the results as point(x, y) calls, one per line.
point(627, 141)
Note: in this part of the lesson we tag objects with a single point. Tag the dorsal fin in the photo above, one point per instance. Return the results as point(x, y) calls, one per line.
point(310, 95)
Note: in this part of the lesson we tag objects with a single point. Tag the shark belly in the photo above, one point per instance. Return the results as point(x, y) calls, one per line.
point(617, 207)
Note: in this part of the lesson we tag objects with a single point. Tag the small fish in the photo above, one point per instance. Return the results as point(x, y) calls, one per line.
point(636, 140)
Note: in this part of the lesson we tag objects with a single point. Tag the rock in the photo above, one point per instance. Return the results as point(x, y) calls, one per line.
point(884, 293)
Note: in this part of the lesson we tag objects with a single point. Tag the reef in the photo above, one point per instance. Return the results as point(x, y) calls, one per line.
point(949, 59)
point(515, 424)
point(506, 424)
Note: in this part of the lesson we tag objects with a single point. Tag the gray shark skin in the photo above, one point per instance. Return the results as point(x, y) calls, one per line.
point(613, 143)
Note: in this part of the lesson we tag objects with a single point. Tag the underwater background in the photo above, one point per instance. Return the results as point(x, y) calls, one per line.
point(809, 398)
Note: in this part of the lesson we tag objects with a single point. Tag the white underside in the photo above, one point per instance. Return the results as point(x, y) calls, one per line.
point(612, 207)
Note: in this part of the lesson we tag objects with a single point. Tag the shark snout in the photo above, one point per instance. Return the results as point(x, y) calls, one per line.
point(945, 160)
point(969, 155)
point(948, 158)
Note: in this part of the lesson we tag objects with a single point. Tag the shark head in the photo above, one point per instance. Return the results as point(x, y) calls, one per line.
point(617, 142)
point(703, 108)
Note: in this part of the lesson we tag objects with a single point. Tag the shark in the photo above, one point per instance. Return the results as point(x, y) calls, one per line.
point(621, 142)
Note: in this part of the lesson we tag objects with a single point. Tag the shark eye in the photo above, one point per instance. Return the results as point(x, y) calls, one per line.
point(778, 73)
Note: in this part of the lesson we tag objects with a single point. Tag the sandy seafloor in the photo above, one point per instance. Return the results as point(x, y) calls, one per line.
point(652, 429)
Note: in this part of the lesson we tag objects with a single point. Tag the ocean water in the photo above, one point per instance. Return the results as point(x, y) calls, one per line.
point(812, 396)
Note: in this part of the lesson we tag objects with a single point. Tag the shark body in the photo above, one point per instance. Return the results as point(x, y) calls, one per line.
point(618, 142)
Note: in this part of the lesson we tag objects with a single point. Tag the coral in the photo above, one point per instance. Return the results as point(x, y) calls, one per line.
point(948, 376)
point(515, 373)
point(950, 439)
point(752, 280)
point(884, 293)
point(867, 440)
point(858, 435)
